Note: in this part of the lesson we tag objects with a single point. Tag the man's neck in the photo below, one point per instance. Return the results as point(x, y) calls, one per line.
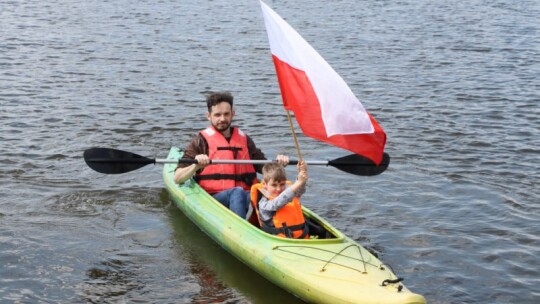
point(227, 133)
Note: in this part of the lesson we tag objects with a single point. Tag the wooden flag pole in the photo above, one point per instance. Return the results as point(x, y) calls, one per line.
point(294, 136)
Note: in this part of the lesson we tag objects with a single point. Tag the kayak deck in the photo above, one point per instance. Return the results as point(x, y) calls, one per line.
point(335, 270)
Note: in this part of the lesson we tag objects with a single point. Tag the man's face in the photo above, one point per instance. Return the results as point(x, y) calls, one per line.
point(221, 116)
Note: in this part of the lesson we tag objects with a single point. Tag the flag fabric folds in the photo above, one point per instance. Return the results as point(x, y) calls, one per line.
point(323, 104)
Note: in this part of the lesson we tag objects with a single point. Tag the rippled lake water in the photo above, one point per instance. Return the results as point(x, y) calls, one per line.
point(455, 84)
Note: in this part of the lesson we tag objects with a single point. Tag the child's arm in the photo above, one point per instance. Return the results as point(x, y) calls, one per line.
point(279, 201)
point(296, 189)
point(299, 187)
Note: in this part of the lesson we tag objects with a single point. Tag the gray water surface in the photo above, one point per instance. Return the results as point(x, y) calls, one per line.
point(455, 85)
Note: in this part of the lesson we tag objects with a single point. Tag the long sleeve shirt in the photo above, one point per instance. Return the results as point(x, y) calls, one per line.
point(267, 208)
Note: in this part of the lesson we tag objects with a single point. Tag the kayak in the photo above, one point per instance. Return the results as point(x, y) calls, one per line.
point(332, 270)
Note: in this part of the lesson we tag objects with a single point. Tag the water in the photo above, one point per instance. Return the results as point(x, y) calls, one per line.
point(455, 84)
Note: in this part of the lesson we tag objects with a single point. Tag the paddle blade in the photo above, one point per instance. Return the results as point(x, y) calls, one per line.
point(359, 165)
point(112, 161)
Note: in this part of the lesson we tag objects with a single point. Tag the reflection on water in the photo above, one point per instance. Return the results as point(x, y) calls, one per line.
point(111, 281)
point(219, 273)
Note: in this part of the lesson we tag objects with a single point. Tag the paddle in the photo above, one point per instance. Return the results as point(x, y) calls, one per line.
point(112, 161)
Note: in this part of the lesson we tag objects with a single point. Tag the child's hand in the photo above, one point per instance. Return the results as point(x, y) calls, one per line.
point(302, 171)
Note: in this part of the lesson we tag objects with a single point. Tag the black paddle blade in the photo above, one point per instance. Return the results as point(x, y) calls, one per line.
point(359, 165)
point(112, 161)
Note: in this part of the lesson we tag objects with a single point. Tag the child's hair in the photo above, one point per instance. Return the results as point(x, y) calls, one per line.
point(274, 171)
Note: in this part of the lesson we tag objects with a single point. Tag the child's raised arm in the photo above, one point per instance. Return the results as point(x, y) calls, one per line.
point(302, 176)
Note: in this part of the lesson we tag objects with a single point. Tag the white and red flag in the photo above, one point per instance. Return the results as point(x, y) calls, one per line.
point(323, 104)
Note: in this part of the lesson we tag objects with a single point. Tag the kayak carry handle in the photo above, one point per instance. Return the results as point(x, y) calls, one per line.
point(387, 281)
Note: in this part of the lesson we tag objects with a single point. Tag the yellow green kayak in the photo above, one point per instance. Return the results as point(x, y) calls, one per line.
point(336, 270)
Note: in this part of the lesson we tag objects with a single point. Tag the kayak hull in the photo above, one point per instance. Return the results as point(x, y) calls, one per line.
point(336, 270)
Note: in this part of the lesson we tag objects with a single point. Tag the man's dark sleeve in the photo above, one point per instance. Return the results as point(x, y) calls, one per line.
point(255, 153)
point(197, 146)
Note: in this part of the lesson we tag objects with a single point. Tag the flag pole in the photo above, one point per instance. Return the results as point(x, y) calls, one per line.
point(294, 136)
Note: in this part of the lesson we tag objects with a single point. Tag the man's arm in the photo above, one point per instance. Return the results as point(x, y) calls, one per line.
point(197, 149)
point(183, 174)
point(197, 146)
point(255, 153)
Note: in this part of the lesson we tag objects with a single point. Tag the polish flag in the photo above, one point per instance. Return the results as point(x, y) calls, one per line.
point(323, 104)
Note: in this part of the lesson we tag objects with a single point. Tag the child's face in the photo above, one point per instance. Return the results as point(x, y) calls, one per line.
point(273, 187)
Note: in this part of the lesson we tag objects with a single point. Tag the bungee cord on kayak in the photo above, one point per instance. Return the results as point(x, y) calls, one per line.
point(340, 254)
point(335, 254)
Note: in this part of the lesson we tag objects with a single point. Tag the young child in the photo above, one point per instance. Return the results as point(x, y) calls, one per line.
point(276, 202)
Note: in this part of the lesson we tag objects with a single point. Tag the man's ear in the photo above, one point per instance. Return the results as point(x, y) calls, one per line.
point(208, 116)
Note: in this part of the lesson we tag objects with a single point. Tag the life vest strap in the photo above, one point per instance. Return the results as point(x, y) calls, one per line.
point(287, 230)
point(233, 149)
point(230, 148)
point(246, 177)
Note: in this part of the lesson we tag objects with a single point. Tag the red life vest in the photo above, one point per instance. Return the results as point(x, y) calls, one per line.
point(219, 177)
point(288, 221)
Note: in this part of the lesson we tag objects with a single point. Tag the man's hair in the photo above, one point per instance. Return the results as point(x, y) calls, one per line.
point(218, 97)
point(274, 171)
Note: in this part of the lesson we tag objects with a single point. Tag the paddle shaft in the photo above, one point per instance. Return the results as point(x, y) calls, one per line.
point(194, 161)
point(237, 161)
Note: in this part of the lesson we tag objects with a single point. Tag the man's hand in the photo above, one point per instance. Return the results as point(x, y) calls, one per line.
point(202, 161)
point(282, 159)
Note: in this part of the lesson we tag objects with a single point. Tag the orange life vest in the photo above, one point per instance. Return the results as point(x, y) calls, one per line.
point(219, 177)
point(288, 221)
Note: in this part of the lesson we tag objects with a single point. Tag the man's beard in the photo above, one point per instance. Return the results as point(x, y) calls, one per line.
point(222, 126)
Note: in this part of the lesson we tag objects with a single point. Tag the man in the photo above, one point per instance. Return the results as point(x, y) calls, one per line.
point(227, 183)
